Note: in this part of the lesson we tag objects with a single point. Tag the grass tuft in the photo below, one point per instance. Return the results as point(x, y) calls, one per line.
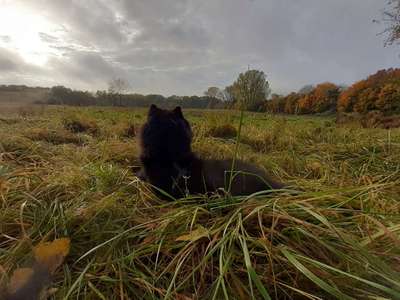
point(78, 124)
point(55, 137)
point(222, 131)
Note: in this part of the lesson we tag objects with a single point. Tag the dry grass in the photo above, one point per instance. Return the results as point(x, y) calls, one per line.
point(376, 119)
point(372, 119)
point(125, 130)
point(20, 110)
point(79, 124)
point(55, 137)
point(222, 131)
point(338, 238)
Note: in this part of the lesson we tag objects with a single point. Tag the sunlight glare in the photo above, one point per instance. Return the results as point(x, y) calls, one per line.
point(23, 28)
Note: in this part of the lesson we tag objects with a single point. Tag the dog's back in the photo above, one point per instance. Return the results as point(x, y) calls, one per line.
point(246, 178)
point(170, 165)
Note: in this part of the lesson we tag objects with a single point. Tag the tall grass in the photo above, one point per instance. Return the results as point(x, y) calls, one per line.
point(337, 239)
point(237, 144)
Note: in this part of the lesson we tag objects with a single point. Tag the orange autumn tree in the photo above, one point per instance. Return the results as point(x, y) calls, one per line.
point(379, 91)
point(321, 99)
point(325, 97)
point(306, 103)
point(318, 99)
point(292, 103)
point(389, 99)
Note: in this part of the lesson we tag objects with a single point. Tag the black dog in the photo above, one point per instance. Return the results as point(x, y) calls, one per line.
point(170, 165)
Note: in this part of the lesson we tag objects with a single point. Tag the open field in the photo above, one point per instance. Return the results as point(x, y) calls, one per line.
point(335, 236)
point(22, 101)
point(22, 96)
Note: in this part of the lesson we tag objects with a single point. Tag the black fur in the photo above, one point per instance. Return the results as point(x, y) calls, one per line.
point(170, 165)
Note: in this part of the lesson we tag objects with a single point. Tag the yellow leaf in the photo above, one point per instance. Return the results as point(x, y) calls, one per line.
point(194, 235)
point(52, 254)
point(19, 278)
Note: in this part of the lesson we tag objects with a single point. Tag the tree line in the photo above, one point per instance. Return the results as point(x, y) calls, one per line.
point(250, 91)
point(20, 88)
point(60, 95)
point(380, 91)
point(309, 100)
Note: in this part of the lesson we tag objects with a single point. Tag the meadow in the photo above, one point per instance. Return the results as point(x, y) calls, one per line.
point(335, 234)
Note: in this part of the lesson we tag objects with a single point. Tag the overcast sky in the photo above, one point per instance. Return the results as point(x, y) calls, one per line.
point(182, 47)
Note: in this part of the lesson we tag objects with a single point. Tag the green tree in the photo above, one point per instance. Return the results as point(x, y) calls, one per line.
point(59, 95)
point(250, 90)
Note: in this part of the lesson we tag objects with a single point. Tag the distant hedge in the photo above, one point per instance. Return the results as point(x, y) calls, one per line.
point(61, 95)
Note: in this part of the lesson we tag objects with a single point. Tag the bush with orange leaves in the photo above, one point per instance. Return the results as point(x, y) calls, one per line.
point(320, 99)
point(380, 91)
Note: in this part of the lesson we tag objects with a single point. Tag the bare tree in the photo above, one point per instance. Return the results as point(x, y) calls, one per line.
point(215, 94)
point(228, 94)
point(391, 18)
point(117, 87)
point(212, 91)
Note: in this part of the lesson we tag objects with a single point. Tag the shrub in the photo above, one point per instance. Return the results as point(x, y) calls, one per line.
point(372, 119)
point(390, 122)
point(78, 125)
point(377, 119)
point(346, 118)
point(222, 131)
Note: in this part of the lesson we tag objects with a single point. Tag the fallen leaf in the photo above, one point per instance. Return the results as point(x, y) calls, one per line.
point(182, 297)
point(19, 278)
point(194, 235)
point(52, 254)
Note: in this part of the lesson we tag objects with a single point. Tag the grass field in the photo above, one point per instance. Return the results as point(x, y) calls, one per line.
point(336, 235)
point(23, 98)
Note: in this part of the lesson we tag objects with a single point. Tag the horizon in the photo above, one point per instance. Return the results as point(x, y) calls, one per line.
point(184, 47)
point(128, 92)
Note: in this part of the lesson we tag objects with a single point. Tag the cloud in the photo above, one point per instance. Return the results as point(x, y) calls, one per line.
point(184, 46)
point(168, 24)
point(86, 22)
point(14, 70)
point(8, 61)
point(86, 69)
point(48, 38)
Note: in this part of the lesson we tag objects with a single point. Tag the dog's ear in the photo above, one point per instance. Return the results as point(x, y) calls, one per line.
point(152, 110)
point(178, 112)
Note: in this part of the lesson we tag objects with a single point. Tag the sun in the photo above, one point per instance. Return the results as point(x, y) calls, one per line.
point(20, 29)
